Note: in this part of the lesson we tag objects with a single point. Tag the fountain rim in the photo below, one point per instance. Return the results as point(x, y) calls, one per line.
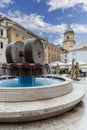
point(35, 93)
point(66, 81)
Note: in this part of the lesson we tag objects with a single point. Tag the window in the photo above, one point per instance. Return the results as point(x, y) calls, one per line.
point(23, 37)
point(13, 29)
point(1, 44)
point(65, 55)
point(49, 48)
point(49, 54)
point(16, 34)
point(1, 32)
point(45, 47)
point(65, 60)
point(67, 37)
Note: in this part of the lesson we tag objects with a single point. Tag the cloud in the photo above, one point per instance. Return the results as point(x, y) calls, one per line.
point(79, 28)
point(64, 4)
point(35, 22)
point(58, 40)
point(5, 3)
point(70, 15)
point(37, 1)
point(59, 18)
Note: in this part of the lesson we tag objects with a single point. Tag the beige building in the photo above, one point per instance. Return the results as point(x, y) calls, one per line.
point(3, 42)
point(69, 40)
point(52, 53)
point(16, 32)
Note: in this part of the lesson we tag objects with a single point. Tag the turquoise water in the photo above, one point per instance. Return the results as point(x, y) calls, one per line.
point(37, 82)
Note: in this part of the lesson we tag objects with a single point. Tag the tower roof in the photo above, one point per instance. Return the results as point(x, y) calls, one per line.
point(69, 30)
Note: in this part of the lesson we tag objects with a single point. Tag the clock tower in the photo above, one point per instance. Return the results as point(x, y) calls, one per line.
point(69, 40)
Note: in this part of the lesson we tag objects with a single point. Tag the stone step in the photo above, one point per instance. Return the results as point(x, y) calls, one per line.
point(41, 109)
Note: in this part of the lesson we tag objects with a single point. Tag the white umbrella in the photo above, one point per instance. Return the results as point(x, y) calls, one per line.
point(57, 63)
point(69, 63)
point(80, 63)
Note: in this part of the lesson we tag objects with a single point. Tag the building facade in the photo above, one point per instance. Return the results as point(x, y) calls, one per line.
point(3, 42)
point(64, 55)
point(78, 53)
point(54, 53)
point(16, 32)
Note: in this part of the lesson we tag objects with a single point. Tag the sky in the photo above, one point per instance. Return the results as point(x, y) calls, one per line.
point(49, 18)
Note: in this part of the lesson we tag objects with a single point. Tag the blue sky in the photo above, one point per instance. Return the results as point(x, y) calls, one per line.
point(49, 18)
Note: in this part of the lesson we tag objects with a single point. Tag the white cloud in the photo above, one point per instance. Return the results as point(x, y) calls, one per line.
point(37, 1)
point(70, 15)
point(35, 22)
point(59, 40)
point(79, 28)
point(59, 18)
point(63, 4)
point(5, 3)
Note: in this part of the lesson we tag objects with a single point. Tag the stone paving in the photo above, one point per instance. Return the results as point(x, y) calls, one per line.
point(75, 119)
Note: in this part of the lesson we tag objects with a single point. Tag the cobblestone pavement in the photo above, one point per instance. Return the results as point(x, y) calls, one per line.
point(75, 119)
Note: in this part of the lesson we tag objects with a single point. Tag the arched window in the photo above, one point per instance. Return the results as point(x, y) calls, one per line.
point(67, 37)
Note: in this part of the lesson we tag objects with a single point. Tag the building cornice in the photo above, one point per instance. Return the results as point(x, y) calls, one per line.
point(23, 28)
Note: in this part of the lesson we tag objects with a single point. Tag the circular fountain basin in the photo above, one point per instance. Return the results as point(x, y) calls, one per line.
point(23, 104)
point(49, 87)
point(39, 81)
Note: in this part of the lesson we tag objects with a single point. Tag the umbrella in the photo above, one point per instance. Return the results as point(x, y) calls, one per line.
point(57, 63)
point(80, 63)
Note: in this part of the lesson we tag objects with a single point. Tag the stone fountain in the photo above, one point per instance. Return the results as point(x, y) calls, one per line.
point(27, 101)
point(25, 61)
